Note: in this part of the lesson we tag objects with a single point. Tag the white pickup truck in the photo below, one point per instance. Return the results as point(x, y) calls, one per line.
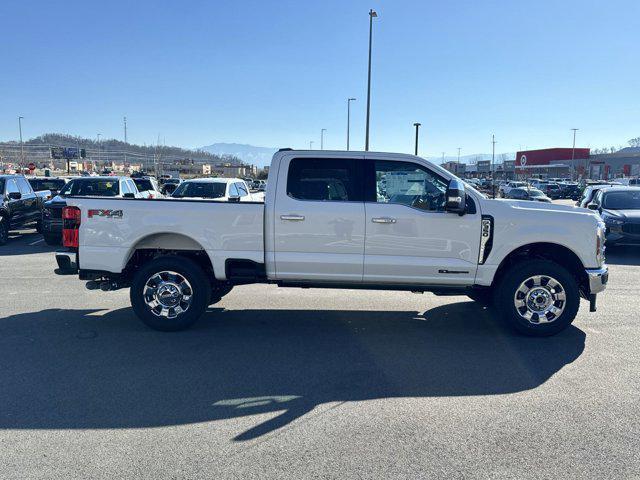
point(356, 220)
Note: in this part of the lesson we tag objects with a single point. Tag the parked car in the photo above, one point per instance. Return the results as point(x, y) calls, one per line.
point(53, 184)
point(619, 207)
point(570, 190)
point(259, 185)
point(327, 223)
point(115, 187)
point(21, 207)
point(148, 187)
point(551, 190)
point(506, 187)
point(169, 185)
point(528, 194)
point(218, 189)
point(590, 192)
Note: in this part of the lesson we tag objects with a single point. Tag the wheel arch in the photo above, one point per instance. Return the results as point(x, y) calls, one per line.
point(555, 252)
point(157, 245)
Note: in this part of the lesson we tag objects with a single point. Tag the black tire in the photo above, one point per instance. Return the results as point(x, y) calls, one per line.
point(504, 297)
point(52, 238)
point(4, 230)
point(192, 273)
point(219, 290)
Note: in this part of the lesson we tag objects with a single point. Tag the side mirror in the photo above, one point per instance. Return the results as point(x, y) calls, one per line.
point(15, 195)
point(456, 198)
point(593, 206)
point(234, 198)
point(129, 195)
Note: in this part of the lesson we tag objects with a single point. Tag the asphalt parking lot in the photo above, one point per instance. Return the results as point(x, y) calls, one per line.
point(290, 383)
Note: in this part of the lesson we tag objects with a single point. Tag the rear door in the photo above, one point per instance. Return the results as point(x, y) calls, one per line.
point(15, 206)
point(319, 220)
point(29, 201)
point(410, 239)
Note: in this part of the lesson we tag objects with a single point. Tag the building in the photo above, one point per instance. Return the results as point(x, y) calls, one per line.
point(456, 168)
point(230, 170)
point(552, 162)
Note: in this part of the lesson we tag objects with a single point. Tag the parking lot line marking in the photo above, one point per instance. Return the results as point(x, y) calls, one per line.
point(37, 241)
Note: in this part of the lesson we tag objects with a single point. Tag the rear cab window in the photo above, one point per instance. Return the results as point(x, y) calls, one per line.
point(325, 179)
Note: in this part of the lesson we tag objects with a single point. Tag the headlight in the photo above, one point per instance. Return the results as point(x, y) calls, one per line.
point(612, 221)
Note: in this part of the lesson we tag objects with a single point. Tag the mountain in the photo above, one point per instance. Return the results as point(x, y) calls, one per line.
point(259, 156)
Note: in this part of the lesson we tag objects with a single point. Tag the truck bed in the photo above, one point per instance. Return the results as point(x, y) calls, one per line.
point(112, 229)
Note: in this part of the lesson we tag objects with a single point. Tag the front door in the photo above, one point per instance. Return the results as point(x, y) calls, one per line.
point(410, 239)
point(319, 220)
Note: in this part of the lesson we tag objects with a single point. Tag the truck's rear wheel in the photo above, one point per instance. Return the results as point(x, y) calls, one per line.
point(538, 297)
point(52, 238)
point(170, 293)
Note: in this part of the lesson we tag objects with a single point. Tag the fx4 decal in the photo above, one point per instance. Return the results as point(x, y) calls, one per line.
point(105, 213)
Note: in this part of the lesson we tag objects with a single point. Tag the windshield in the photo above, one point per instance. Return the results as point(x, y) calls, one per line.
point(200, 190)
point(46, 184)
point(143, 184)
point(91, 188)
point(622, 200)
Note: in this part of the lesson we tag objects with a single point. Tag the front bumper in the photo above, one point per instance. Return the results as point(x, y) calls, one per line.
point(598, 278)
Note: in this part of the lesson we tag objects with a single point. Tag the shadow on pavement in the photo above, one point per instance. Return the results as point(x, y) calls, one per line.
point(80, 369)
point(25, 242)
point(623, 255)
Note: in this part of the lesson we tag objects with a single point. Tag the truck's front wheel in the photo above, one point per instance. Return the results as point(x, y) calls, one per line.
point(170, 293)
point(538, 297)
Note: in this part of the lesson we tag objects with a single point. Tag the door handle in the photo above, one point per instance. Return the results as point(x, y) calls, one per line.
point(383, 220)
point(292, 218)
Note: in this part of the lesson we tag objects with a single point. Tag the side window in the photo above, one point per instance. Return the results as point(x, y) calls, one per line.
point(12, 187)
point(323, 179)
point(132, 186)
point(233, 191)
point(410, 184)
point(242, 190)
point(23, 185)
point(124, 186)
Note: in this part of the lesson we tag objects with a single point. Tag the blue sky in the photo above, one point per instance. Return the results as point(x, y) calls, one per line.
point(275, 73)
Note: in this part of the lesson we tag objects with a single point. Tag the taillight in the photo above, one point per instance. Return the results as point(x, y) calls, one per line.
point(70, 226)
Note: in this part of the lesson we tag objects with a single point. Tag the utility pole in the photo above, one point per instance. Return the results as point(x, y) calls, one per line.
point(21, 144)
point(311, 145)
point(372, 14)
point(417, 125)
point(322, 130)
point(493, 165)
point(349, 100)
point(442, 159)
point(99, 150)
point(573, 151)
point(458, 164)
point(125, 139)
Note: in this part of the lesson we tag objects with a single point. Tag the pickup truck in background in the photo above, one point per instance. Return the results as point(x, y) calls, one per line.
point(357, 220)
point(21, 207)
point(106, 186)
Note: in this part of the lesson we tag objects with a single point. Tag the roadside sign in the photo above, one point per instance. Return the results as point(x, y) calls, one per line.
point(57, 153)
point(523, 160)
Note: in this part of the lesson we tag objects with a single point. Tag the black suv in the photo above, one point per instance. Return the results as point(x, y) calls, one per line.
point(20, 206)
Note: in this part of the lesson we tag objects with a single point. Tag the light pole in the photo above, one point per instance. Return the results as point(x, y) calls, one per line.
point(573, 149)
point(21, 143)
point(493, 165)
point(442, 159)
point(311, 145)
point(417, 125)
point(99, 152)
point(458, 164)
point(349, 100)
point(372, 14)
point(125, 139)
point(322, 130)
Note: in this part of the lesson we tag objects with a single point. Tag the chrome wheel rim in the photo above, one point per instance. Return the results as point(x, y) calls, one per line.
point(168, 294)
point(540, 299)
